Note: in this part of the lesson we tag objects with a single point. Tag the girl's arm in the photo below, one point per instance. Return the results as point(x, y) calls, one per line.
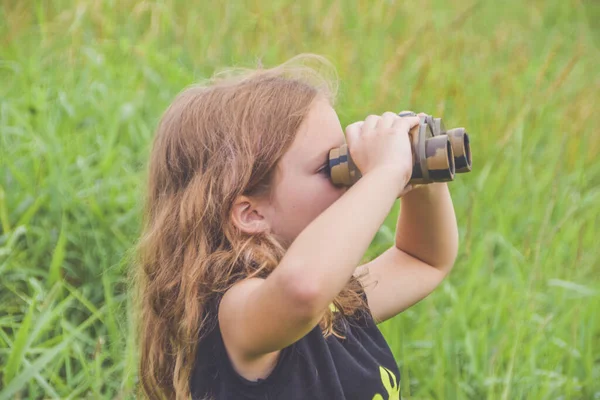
point(260, 316)
point(425, 250)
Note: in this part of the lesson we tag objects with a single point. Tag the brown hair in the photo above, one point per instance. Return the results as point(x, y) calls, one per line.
point(216, 141)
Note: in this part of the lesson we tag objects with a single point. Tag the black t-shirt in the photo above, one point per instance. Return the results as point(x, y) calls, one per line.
point(359, 367)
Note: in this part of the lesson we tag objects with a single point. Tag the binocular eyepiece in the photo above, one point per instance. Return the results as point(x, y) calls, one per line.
point(438, 154)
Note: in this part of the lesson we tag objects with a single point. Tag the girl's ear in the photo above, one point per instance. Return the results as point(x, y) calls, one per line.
point(247, 215)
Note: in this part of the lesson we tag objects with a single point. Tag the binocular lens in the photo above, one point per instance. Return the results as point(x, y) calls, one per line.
point(462, 149)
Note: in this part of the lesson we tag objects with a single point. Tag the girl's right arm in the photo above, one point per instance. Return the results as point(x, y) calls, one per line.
point(262, 316)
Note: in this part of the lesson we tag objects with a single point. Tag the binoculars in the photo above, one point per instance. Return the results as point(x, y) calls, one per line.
point(438, 154)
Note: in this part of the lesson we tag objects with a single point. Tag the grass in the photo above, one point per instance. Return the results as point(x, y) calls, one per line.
point(84, 84)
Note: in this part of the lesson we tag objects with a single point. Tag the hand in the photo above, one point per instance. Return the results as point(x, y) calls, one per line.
point(382, 143)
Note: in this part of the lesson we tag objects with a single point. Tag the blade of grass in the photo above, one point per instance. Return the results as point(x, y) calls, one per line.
point(21, 379)
point(15, 359)
point(58, 256)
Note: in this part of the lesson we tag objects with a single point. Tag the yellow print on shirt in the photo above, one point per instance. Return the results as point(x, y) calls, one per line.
point(393, 387)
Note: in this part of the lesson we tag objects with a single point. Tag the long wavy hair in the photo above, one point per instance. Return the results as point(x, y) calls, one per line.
point(217, 140)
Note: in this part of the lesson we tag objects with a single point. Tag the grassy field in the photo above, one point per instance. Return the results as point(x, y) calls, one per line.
point(83, 83)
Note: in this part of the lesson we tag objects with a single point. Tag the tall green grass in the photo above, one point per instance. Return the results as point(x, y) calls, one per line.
point(83, 84)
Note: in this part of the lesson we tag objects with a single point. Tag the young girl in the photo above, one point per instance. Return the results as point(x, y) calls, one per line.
point(248, 274)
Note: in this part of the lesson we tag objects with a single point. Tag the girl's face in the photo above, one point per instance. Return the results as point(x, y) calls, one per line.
point(302, 187)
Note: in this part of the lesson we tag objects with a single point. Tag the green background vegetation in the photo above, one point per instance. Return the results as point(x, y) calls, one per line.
point(83, 84)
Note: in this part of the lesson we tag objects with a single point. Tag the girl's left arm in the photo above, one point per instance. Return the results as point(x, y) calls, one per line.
point(426, 227)
point(425, 249)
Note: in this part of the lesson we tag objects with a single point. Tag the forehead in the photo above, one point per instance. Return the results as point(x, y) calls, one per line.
point(319, 132)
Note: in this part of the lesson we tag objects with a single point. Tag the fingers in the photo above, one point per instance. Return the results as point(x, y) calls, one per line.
point(406, 123)
point(353, 131)
point(387, 119)
point(370, 123)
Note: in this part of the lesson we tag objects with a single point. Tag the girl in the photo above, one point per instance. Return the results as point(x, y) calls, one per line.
point(248, 272)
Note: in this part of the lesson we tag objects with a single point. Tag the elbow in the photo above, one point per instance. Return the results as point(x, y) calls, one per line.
point(447, 263)
point(446, 266)
point(446, 269)
point(306, 299)
point(452, 259)
point(304, 294)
